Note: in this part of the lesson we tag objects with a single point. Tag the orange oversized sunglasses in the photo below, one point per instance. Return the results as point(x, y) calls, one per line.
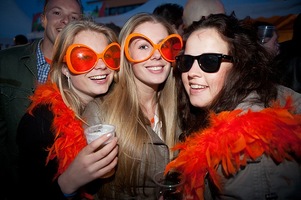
point(139, 48)
point(81, 59)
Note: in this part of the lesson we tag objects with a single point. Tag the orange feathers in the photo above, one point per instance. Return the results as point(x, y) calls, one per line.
point(232, 139)
point(69, 136)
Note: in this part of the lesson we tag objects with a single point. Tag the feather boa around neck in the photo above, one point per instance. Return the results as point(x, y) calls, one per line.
point(232, 139)
point(67, 128)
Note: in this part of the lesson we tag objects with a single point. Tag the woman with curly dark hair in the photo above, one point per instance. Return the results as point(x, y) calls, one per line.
point(241, 131)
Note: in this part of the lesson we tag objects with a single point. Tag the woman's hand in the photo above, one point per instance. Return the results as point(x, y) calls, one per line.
point(91, 163)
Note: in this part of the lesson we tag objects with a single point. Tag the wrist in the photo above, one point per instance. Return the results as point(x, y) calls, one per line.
point(70, 195)
point(66, 187)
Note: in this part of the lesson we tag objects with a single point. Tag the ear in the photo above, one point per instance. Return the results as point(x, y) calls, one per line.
point(65, 71)
point(42, 18)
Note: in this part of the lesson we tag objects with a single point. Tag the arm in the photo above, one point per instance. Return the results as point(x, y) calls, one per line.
point(90, 164)
point(33, 137)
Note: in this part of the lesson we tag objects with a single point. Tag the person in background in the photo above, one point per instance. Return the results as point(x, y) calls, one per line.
point(20, 39)
point(54, 155)
point(194, 10)
point(271, 42)
point(241, 130)
point(173, 13)
point(290, 59)
point(142, 106)
point(22, 68)
point(114, 27)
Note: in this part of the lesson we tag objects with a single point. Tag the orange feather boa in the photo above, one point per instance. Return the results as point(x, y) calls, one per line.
point(67, 128)
point(232, 139)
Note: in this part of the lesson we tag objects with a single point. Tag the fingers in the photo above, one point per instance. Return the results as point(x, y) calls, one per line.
point(108, 152)
point(106, 157)
point(108, 170)
point(93, 146)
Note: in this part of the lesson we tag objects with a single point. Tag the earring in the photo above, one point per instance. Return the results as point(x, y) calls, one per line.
point(69, 82)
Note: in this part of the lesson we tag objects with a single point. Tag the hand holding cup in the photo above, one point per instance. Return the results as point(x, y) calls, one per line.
point(94, 132)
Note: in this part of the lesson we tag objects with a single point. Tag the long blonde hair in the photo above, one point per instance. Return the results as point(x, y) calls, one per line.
point(122, 108)
point(63, 41)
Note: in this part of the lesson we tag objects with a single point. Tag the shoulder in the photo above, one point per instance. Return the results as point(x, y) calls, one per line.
point(41, 116)
point(34, 128)
point(19, 51)
point(251, 102)
point(92, 113)
point(41, 112)
point(284, 92)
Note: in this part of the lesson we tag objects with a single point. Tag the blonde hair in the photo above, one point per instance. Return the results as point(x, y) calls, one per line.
point(122, 108)
point(63, 41)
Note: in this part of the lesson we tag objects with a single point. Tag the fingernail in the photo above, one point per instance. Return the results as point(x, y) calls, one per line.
point(109, 134)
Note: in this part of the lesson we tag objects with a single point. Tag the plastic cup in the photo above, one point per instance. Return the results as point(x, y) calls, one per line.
point(265, 32)
point(94, 132)
point(169, 186)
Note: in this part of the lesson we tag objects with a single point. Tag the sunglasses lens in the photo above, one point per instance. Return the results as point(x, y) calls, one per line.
point(209, 62)
point(112, 57)
point(82, 59)
point(184, 63)
point(171, 48)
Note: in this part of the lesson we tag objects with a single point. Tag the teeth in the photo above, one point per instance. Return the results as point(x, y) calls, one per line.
point(98, 77)
point(155, 68)
point(197, 86)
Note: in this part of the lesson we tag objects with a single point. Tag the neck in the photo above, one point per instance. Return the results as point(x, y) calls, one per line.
point(47, 48)
point(148, 107)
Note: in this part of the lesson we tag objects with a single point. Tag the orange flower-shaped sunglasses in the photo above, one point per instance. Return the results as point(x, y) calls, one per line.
point(139, 48)
point(81, 59)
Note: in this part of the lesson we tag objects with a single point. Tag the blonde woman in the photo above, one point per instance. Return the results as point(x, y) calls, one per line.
point(54, 155)
point(142, 106)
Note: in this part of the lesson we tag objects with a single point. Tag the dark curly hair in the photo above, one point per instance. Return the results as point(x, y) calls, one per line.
point(251, 72)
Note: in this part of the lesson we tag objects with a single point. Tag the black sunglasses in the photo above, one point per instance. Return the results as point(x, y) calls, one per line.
point(208, 62)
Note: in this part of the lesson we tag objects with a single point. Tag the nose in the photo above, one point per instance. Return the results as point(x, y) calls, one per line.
point(195, 70)
point(100, 64)
point(156, 54)
point(65, 19)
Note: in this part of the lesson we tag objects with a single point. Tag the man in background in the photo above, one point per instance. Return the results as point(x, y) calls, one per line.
point(21, 69)
point(173, 13)
point(194, 10)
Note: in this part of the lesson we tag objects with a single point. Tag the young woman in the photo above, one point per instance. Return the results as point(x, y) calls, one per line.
point(142, 106)
point(55, 160)
point(242, 135)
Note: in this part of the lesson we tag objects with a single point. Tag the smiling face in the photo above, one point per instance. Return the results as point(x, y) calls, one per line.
point(200, 86)
point(57, 14)
point(98, 80)
point(156, 69)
